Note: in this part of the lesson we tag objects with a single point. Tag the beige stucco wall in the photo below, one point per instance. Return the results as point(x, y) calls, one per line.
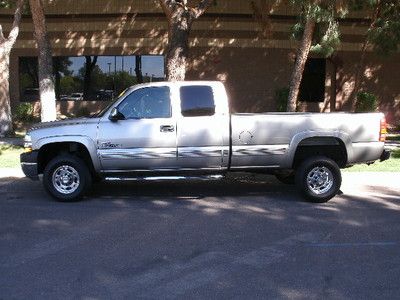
point(232, 49)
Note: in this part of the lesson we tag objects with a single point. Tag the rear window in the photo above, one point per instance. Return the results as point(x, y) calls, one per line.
point(197, 100)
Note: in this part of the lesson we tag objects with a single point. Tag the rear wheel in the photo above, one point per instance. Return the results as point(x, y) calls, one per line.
point(318, 179)
point(66, 178)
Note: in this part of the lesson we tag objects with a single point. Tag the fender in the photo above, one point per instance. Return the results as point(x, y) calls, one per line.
point(299, 137)
point(82, 139)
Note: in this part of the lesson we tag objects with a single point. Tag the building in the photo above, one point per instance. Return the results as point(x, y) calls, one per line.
point(228, 43)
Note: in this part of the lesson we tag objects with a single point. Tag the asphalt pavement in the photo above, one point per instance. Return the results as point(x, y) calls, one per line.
point(248, 237)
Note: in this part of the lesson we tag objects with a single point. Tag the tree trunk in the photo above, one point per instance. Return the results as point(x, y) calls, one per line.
point(5, 108)
point(180, 18)
point(46, 79)
point(6, 45)
point(138, 68)
point(301, 58)
point(87, 80)
point(178, 45)
point(332, 100)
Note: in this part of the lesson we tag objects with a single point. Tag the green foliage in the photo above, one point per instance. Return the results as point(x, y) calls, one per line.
point(281, 98)
point(329, 41)
point(69, 85)
point(385, 34)
point(24, 112)
point(83, 112)
point(6, 3)
point(366, 102)
point(395, 153)
point(326, 36)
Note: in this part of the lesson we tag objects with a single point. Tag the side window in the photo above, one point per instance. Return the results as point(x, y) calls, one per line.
point(147, 103)
point(197, 100)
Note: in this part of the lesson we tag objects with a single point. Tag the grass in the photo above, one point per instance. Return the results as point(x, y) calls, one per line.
point(9, 156)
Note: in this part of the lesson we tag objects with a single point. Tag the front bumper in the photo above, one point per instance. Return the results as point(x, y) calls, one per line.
point(29, 164)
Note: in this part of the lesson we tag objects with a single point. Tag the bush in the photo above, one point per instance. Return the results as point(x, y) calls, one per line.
point(24, 112)
point(281, 98)
point(82, 112)
point(366, 102)
point(396, 153)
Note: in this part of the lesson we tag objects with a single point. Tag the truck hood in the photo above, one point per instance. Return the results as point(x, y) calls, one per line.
point(68, 122)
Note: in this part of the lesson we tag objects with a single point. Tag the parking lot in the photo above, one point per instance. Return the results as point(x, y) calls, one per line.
point(246, 237)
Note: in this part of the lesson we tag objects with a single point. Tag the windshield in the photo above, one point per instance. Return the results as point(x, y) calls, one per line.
point(105, 109)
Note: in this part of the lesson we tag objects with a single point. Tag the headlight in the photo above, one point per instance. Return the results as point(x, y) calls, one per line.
point(28, 143)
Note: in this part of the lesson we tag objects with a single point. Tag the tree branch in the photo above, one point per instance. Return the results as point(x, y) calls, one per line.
point(12, 37)
point(2, 38)
point(166, 5)
point(201, 8)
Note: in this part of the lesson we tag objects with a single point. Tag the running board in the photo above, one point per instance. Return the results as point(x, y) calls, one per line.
point(161, 178)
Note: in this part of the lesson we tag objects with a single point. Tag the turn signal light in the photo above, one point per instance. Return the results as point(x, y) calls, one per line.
point(383, 130)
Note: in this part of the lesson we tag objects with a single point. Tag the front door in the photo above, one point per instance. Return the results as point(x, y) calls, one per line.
point(145, 139)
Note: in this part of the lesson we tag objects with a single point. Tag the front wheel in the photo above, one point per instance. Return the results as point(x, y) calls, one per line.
point(318, 179)
point(66, 178)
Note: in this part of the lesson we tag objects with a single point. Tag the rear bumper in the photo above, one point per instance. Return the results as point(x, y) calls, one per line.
point(29, 164)
point(385, 155)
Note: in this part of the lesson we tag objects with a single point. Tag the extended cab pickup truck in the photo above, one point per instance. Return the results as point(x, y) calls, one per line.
point(186, 128)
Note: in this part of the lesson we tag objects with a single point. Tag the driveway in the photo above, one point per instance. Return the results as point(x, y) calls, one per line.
point(246, 237)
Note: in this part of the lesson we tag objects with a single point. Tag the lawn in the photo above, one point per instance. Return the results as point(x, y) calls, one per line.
point(9, 156)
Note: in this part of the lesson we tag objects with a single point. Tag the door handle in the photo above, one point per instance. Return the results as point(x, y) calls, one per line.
point(167, 128)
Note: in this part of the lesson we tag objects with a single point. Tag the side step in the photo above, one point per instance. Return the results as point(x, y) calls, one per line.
point(162, 178)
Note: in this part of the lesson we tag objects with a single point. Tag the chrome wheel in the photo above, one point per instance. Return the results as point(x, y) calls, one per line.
point(66, 179)
point(320, 180)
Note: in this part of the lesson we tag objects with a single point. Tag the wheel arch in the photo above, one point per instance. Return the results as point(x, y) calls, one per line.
point(83, 146)
point(336, 145)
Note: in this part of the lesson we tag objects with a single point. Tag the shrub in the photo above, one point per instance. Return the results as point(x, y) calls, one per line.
point(82, 112)
point(24, 112)
point(366, 102)
point(281, 98)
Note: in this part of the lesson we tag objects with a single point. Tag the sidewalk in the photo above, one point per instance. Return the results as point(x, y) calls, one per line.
point(11, 172)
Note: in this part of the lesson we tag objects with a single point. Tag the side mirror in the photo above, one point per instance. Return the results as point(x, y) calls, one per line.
point(116, 115)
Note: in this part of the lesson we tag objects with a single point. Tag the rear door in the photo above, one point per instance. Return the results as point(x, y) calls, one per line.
point(146, 138)
point(202, 129)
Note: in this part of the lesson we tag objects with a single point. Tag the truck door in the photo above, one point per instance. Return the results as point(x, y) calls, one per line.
point(146, 138)
point(203, 131)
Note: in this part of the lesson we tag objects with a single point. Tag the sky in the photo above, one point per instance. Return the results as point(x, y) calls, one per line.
point(151, 64)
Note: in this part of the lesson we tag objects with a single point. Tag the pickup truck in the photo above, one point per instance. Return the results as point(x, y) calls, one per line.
point(186, 129)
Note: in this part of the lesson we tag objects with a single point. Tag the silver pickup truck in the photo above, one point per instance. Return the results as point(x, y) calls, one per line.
point(186, 129)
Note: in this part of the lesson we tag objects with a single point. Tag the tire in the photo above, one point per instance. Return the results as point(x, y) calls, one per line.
point(287, 178)
point(77, 178)
point(318, 179)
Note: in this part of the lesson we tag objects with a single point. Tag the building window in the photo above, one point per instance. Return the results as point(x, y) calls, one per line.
point(92, 78)
point(312, 87)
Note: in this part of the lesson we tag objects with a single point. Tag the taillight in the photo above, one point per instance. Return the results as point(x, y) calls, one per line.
point(382, 131)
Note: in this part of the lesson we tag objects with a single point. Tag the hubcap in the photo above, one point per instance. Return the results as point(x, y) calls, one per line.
point(66, 179)
point(320, 180)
